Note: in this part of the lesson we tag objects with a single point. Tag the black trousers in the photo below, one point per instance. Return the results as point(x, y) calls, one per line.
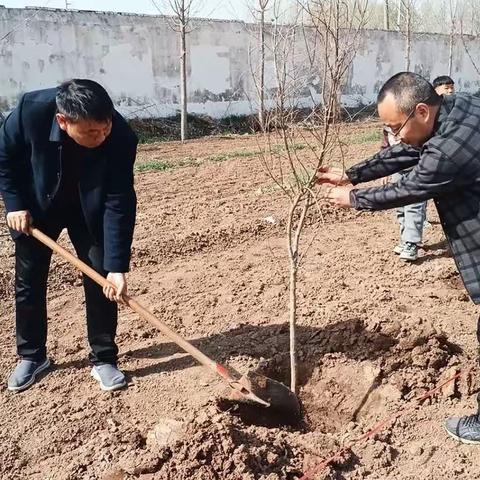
point(32, 263)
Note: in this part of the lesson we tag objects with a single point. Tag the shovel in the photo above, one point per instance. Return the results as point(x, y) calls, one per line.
point(253, 388)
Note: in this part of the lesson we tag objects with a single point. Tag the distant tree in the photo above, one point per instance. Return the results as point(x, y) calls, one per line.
point(258, 10)
point(182, 11)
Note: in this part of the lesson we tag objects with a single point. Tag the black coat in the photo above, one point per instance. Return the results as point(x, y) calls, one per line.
point(447, 169)
point(31, 145)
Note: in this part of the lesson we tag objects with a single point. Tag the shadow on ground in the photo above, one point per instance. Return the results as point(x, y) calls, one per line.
point(349, 337)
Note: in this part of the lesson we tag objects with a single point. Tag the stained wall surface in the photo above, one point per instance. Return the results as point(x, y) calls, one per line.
point(136, 57)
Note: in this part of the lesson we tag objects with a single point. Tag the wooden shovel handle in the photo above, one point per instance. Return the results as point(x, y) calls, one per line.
point(133, 304)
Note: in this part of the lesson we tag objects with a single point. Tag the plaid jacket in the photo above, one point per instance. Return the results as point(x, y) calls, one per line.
point(446, 169)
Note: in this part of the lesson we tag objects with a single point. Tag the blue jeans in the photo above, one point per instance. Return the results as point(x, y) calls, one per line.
point(411, 219)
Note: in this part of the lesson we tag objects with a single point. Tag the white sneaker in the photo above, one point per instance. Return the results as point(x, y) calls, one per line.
point(398, 248)
point(409, 252)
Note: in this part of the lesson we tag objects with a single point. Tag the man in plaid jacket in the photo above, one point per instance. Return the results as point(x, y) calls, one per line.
point(440, 138)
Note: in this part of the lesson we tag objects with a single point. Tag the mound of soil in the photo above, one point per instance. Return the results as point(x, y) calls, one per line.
point(218, 445)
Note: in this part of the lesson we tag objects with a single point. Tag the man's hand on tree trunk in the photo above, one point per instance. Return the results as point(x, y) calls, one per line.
point(332, 176)
point(340, 196)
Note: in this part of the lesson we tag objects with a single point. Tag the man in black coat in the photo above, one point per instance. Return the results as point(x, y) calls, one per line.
point(441, 140)
point(66, 161)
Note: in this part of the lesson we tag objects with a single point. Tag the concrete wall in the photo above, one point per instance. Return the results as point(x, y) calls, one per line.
point(136, 58)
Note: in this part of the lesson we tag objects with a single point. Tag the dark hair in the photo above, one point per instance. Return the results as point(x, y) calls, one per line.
point(82, 99)
point(408, 90)
point(443, 80)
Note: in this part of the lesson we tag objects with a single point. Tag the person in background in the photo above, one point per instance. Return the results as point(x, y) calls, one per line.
point(444, 85)
point(411, 218)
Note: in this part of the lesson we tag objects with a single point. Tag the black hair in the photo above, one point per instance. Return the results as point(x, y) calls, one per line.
point(82, 99)
point(443, 80)
point(408, 90)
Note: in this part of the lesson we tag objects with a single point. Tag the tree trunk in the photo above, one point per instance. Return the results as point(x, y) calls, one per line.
point(293, 323)
point(261, 111)
point(332, 96)
point(399, 15)
point(183, 82)
point(408, 37)
point(450, 53)
point(293, 243)
point(386, 16)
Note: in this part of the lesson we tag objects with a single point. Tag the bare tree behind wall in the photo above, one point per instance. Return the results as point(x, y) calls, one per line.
point(405, 24)
point(454, 18)
point(263, 12)
point(455, 13)
point(470, 19)
point(408, 32)
point(451, 36)
point(294, 144)
point(337, 25)
point(466, 42)
point(427, 16)
point(386, 15)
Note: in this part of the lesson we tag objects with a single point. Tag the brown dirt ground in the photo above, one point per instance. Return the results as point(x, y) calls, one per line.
point(374, 333)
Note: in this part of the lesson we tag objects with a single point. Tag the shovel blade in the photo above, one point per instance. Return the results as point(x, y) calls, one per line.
point(278, 395)
point(259, 396)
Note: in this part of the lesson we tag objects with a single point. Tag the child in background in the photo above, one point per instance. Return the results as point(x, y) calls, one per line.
point(411, 218)
point(444, 85)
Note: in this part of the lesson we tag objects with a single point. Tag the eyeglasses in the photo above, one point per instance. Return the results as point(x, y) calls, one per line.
point(396, 134)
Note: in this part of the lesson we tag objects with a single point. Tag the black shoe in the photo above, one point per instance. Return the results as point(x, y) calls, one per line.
point(464, 429)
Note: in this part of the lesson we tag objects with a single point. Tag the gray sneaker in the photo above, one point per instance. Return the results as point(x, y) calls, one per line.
point(25, 374)
point(409, 252)
point(464, 429)
point(109, 377)
point(398, 248)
